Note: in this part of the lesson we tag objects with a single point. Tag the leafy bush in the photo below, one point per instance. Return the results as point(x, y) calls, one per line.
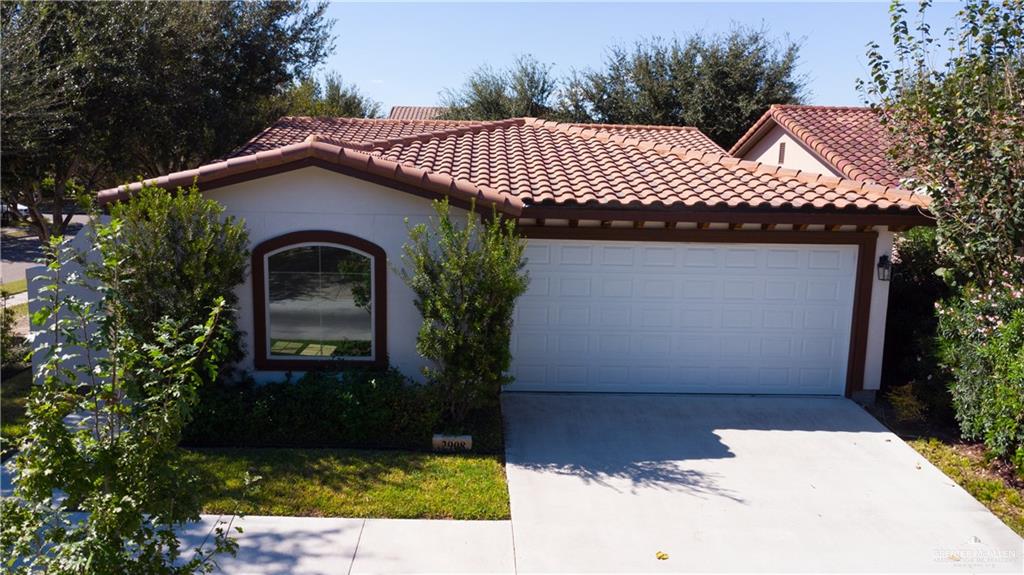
point(466, 280)
point(103, 427)
point(365, 409)
point(952, 108)
point(179, 254)
point(12, 346)
point(906, 403)
point(982, 335)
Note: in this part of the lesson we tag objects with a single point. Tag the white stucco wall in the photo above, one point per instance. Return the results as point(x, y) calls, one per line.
point(318, 199)
point(797, 156)
point(876, 324)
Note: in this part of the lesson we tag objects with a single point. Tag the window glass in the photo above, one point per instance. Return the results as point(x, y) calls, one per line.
point(320, 303)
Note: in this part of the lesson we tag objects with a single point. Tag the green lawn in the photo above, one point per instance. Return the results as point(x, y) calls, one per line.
point(971, 471)
point(13, 399)
point(19, 310)
point(354, 483)
point(15, 287)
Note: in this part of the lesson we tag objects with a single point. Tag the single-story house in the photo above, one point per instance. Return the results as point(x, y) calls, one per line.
point(657, 261)
point(843, 141)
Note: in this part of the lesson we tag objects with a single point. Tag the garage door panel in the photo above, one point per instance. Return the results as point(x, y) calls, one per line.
point(617, 287)
point(731, 318)
point(537, 254)
point(574, 255)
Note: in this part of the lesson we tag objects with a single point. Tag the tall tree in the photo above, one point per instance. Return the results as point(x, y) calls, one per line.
point(332, 97)
point(527, 88)
point(146, 87)
point(720, 84)
point(954, 108)
point(958, 127)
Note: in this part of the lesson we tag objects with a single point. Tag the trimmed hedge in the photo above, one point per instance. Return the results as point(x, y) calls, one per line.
point(981, 335)
point(357, 409)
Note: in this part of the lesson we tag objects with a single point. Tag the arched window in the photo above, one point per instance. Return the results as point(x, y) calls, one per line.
point(319, 300)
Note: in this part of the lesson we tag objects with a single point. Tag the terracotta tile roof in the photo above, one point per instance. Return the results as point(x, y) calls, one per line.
point(314, 151)
point(415, 112)
point(542, 162)
point(356, 131)
point(682, 136)
point(526, 162)
point(850, 139)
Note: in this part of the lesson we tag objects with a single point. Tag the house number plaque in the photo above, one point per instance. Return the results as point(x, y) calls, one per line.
point(453, 442)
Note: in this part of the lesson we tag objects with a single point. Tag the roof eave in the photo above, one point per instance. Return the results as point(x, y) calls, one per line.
point(329, 156)
point(733, 214)
point(753, 135)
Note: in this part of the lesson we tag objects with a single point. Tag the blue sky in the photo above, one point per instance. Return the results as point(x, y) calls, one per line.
point(405, 54)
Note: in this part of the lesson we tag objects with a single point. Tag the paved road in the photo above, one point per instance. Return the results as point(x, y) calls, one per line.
point(17, 254)
point(601, 483)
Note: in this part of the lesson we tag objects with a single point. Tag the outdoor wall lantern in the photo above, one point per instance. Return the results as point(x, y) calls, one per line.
point(884, 268)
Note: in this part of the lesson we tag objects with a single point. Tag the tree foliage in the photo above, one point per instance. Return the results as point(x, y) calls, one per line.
point(37, 98)
point(527, 88)
point(466, 280)
point(954, 107)
point(720, 84)
point(331, 97)
point(104, 424)
point(135, 87)
point(957, 127)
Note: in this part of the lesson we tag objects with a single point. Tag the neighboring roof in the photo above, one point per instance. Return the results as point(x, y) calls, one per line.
point(850, 139)
point(683, 136)
point(415, 112)
point(522, 163)
point(294, 129)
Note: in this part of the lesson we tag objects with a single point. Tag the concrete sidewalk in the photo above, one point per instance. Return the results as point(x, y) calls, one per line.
point(312, 545)
point(331, 546)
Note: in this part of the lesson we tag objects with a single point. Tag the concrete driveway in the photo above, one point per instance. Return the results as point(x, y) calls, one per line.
point(601, 483)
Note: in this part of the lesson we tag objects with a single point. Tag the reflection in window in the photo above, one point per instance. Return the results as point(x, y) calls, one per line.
point(320, 303)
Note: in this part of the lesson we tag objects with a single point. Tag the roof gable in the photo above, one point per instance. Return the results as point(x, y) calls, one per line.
point(850, 139)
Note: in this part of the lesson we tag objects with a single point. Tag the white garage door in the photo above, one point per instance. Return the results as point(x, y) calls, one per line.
point(684, 317)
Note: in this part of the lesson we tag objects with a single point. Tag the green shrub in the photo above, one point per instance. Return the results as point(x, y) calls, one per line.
point(12, 346)
point(178, 254)
point(906, 404)
point(118, 465)
point(910, 349)
point(361, 409)
point(466, 280)
point(982, 343)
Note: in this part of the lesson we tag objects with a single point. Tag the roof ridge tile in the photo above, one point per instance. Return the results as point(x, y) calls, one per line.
point(601, 126)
